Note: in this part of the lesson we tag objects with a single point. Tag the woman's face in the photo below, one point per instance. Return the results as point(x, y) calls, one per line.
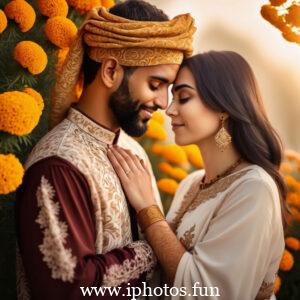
point(192, 121)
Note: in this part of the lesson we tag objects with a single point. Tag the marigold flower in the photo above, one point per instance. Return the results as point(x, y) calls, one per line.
point(293, 199)
point(32, 56)
point(291, 36)
point(292, 182)
point(158, 117)
point(277, 2)
point(165, 167)
point(173, 153)
point(3, 21)
point(37, 96)
point(53, 8)
point(108, 3)
point(194, 155)
point(60, 31)
point(83, 6)
point(286, 167)
point(156, 149)
point(277, 284)
point(178, 173)
point(19, 113)
point(22, 12)
point(11, 173)
point(167, 185)
point(270, 14)
point(292, 243)
point(287, 261)
point(155, 131)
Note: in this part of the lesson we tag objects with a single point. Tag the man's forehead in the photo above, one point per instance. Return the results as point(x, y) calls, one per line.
point(163, 72)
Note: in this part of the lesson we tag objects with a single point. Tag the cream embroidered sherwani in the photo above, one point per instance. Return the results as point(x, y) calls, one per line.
point(233, 233)
point(75, 227)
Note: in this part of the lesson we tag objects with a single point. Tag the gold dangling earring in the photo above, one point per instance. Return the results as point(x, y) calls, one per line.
point(222, 138)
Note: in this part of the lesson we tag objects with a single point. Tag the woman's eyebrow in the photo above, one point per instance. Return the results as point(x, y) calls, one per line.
point(177, 87)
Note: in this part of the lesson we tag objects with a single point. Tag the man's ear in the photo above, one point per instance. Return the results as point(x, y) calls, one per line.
point(111, 73)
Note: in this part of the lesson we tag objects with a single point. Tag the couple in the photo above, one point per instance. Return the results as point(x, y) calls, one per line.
point(89, 186)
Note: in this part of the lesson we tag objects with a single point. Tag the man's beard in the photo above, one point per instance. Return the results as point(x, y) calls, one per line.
point(126, 110)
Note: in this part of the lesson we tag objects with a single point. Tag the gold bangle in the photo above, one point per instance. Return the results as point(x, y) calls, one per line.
point(148, 216)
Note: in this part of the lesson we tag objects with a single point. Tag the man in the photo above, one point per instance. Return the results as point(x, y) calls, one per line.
point(75, 227)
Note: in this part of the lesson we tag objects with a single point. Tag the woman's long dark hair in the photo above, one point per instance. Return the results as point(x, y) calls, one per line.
point(226, 83)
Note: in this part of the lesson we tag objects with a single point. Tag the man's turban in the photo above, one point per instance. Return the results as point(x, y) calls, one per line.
point(130, 42)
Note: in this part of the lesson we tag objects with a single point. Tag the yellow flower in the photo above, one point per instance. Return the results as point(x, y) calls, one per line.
point(178, 173)
point(60, 31)
point(293, 16)
point(167, 185)
point(173, 153)
point(270, 14)
point(53, 8)
point(3, 21)
point(37, 96)
point(292, 182)
point(155, 131)
point(159, 117)
point(292, 243)
point(83, 6)
point(108, 3)
point(11, 173)
point(194, 155)
point(22, 12)
point(287, 261)
point(19, 113)
point(277, 284)
point(32, 56)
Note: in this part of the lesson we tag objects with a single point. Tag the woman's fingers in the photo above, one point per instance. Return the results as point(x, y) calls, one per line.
point(129, 158)
point(119, 165)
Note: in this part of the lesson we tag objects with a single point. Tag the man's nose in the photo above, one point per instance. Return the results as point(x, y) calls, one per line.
point(161, 101)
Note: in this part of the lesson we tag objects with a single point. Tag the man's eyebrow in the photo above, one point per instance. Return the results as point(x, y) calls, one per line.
point(177, 87)
point(159, 78)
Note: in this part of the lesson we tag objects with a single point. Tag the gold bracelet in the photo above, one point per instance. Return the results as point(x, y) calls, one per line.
point(148, 216)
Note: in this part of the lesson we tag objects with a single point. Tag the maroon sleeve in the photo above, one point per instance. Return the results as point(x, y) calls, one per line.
point(56, 238)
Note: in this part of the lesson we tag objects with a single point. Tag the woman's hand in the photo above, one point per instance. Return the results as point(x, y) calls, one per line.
point(134, 176)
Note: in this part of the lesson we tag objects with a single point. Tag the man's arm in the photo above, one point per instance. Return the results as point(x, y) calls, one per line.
point(56, 235)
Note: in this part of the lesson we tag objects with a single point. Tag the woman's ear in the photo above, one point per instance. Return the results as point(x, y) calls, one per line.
point(110, 73)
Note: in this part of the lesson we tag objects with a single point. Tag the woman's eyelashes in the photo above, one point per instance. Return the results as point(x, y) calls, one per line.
point(183, 100)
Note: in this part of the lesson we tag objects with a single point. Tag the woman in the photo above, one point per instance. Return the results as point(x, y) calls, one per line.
point(224, 229)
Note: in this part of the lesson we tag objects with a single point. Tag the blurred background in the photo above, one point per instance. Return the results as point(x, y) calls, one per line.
point(237, 25)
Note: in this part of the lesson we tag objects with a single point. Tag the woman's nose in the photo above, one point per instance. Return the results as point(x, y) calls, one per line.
point(171, 110)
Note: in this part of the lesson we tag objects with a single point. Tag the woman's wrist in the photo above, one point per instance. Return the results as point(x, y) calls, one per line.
point(149, 215)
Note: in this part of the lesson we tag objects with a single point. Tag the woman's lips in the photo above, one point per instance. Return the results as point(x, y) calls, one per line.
point(176, 126)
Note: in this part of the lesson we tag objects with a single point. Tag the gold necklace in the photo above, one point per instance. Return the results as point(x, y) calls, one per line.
point(204, 185)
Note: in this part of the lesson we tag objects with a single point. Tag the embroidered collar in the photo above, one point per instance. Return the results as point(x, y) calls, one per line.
point(92, 128)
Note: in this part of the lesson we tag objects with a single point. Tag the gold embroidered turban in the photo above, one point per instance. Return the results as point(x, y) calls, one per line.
point(130, 42)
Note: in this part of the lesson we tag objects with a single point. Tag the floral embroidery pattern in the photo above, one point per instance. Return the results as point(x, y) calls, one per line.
point(144, 261)
point(187, 239)
point(60, 260)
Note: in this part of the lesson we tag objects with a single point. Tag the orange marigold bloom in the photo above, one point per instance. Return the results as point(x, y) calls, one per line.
point(155, 131)
point(19, 113)
point(165, 167)
point(293, 199)
point(178, 173)
point(277, 284)
point(60, 31)
point(287, 261)
point(158, 117)
point(167, 185)
point(292, 182)
point(83, 6)
point(53, 8)
point(277, 2)
point(22, 12)
point(293, 16)
point(37, 97)
point(108, 3)
point(270, 14)
point(11, 173)
point(3, 21)
point(156, 148)
point(174, 154)
point(32, 56)
point(194, 155)
point(286, 167)
point(292, 243)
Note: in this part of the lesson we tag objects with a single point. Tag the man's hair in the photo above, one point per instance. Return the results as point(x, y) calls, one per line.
point(137, 10)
